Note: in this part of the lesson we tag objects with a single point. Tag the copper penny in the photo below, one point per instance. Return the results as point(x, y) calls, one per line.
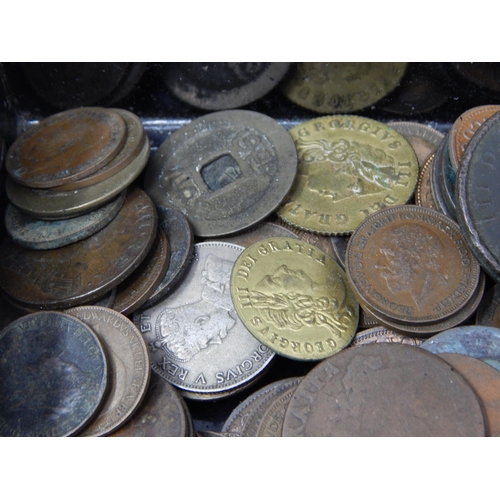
point(384, 390)
point(138, 287)
point(412, 265)
point(423, 192)
point(66, 146)
point(82, 271)
point(485, 381)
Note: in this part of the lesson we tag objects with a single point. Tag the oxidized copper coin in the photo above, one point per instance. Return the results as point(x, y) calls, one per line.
point(412, 265)
point(224, 171)
point(161, 414)
point(379, 334)
point(383, 390)
point(128, 361)
point(485, 381)
point(54, 375)
point(180, 238)
point(134, 142)
point(137, 288)
point(443, 181)
point(478, 196)
point(66, 146)
point(39, 234)
point(83, 271)
point(423, 192)
point(488, 312)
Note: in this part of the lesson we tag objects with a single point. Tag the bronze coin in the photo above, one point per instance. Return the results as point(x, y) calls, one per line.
point(138, 287)
point(423, 192)
point(54, 375)
point(488, 312)
point(383, 390)
point(379, 334)
point(412, 265)
point(133, 144)
point(485, 381)
point(83, 271)
point(66, 146)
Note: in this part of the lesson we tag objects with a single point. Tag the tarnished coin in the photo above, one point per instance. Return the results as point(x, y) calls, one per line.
point(54, 375)
point(65, 146)
point(412, 265)
point(128, 360)
point(137, 288)
point(134, 142)
point(161, 414)
point(380, 334)
point(349, 168)
point(478, 196)
point(294, 298)
point(50, 204)
point(423, 192)
point(464, 128)
point(423, 139)
point(482, 342)
point(196, 341)
point(259, 232)
point(222, 85)
point(383, 390)
point(39, 234)
point(443, 181)
point(244, 420)
point(341, 87)
point(485, 381)
point(225, 171)
point(180, 238)
point(339, 244)
point(83, 271)
point(488, 312)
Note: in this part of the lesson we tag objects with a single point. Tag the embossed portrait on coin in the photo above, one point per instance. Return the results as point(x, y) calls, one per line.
point(291, 300)
point(354, 169)
point(412, 260)
point(184, 331)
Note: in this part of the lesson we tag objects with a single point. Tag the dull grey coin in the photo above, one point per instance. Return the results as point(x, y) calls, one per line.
point(224, 171)
point(39, 234)
point(54, 375)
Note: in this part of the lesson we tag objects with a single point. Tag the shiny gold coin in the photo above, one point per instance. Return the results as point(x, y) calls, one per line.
point(294, 298)
point(349, 168)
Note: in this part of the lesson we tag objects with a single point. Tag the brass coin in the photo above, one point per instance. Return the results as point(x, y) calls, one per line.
point(349, 167)
point(224, 171)
point(50, 204)
point(423, 193)
point(134, 143)
point(341, 87)
point(383, 390)
point(83, 271)
point(411, 264)
point(40, 234)
point(54, 375)
point(137, 288)
point(464, 128)
point(66, 146)
point(128, 361)
point(304, 309)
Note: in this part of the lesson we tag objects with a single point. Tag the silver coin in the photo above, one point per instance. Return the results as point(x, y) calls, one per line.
point(224, 171)
point(196, 340)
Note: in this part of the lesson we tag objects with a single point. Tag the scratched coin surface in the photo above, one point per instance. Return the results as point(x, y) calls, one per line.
point(383, 390)
point(65, 146)
point(195, 338)
point(128, 361)
point(224, 171)
point(327, 87)
point(411, 264)
point(349, 168)
point(54, 375)
point(85, 270)
point(41, 234)
point(294, 298)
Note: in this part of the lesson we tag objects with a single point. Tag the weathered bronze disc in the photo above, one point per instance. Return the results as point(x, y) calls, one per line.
point(83, 271)
point(379, 334)
point(423, 192)
point(384, 390)
point(488, 312)
point(54, 375)
point(66, 146)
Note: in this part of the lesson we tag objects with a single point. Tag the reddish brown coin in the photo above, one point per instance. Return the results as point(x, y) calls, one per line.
point(83, 271)
point(66, 146)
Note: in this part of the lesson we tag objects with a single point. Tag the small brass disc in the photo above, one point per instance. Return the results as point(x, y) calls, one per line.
point(294, 298)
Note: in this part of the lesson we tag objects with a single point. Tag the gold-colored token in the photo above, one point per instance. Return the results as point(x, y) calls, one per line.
point(294, 298)
point(349, 167)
